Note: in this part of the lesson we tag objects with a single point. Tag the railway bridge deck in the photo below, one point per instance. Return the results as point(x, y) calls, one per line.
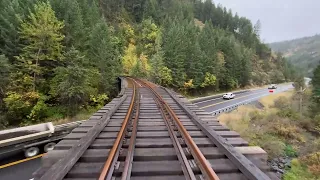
point(150, 132)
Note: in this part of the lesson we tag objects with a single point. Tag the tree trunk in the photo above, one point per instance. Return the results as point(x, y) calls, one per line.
point(34, 74)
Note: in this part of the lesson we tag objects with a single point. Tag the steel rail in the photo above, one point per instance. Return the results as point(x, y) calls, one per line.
point(185, 165)
point(126, 174)
point(250, 170)
point(114, 152)
point(59, 169)
point(204, 165)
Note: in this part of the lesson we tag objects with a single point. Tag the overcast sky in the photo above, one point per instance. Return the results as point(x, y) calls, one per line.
point(280, 19)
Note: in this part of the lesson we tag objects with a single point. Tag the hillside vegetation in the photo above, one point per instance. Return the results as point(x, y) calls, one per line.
point(287, 126)
point(285, 134)
point(61, 57)
point(303, 53)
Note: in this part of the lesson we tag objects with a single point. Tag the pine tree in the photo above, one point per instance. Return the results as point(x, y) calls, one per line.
point(42, 37)
point(70, 12)
point(174, 47)
point(159, 72)
point(104, 55)
point(151, 10)
point(208, 46)
point(90, 15)
point(74, 84)
point(148, 34)
point(316, 85)
point(194, 60)
point(246, 66)
point(5, 68)
point(9, 25)
point(257, 28)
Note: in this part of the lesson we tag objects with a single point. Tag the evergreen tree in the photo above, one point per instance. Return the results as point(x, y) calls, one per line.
point(175, 51)
point(152, 10)
point(159, 73)
point(90, 15)
point(299, 83)
point(246, 66)
point(42, 37)
point(69, 11)
point(316, 85)
point(74, 84)
point(190, 45)
point(148, 34)
point(5, 68)
point(207, 44)
point(257, 28)
point(104, 56)
point(9, 25)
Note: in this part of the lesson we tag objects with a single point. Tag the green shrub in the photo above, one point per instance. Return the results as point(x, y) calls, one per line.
point(56, 113)
point(298, 172)
point(316, 121)
point(38, 111)
point(256, 116)
point(306, 123)
point(288, 113)
point(312, 161)
point(270, 143)
point(286, 129)
point(282, 103)
point(290, 151)
point(19, 106)
point(3, 122)
point(99, 100)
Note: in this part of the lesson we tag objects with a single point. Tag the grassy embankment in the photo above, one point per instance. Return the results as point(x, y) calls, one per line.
point(282, 131)
point(82, 115)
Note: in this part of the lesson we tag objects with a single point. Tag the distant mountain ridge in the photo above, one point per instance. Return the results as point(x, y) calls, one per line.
point(302, 52)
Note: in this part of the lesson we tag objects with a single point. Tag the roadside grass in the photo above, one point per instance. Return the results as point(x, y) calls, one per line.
point(281, 131)
point(82, 115)
point(268, 101)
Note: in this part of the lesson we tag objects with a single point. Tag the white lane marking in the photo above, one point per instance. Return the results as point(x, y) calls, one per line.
point(207, 100)
point(280, 87)
point(251, 99)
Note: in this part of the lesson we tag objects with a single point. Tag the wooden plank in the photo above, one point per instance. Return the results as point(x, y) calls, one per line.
point(63, 166)
point(245, 166)
point(231, 176)
point(163, 177)
point(85, 170)
point(252, 150)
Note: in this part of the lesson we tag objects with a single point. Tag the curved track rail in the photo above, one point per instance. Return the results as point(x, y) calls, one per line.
point(197, 154)
point(148, 133)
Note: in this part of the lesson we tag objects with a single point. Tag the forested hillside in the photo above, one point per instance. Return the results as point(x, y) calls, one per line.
point(303, 52)
point(59, 57)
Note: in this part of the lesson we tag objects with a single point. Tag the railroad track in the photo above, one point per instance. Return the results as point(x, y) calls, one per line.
point(151, 133)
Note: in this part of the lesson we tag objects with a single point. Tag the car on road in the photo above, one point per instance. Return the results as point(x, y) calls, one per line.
point(272, 86)
point(228, 96)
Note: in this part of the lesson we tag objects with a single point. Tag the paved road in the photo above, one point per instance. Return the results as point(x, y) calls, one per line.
point(24, 170)
point(215, 104)
point(18, 168)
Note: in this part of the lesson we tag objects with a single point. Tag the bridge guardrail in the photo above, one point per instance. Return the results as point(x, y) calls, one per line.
point(234, 106)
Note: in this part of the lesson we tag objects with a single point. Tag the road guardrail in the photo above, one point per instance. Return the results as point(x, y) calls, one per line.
point(196, 100)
